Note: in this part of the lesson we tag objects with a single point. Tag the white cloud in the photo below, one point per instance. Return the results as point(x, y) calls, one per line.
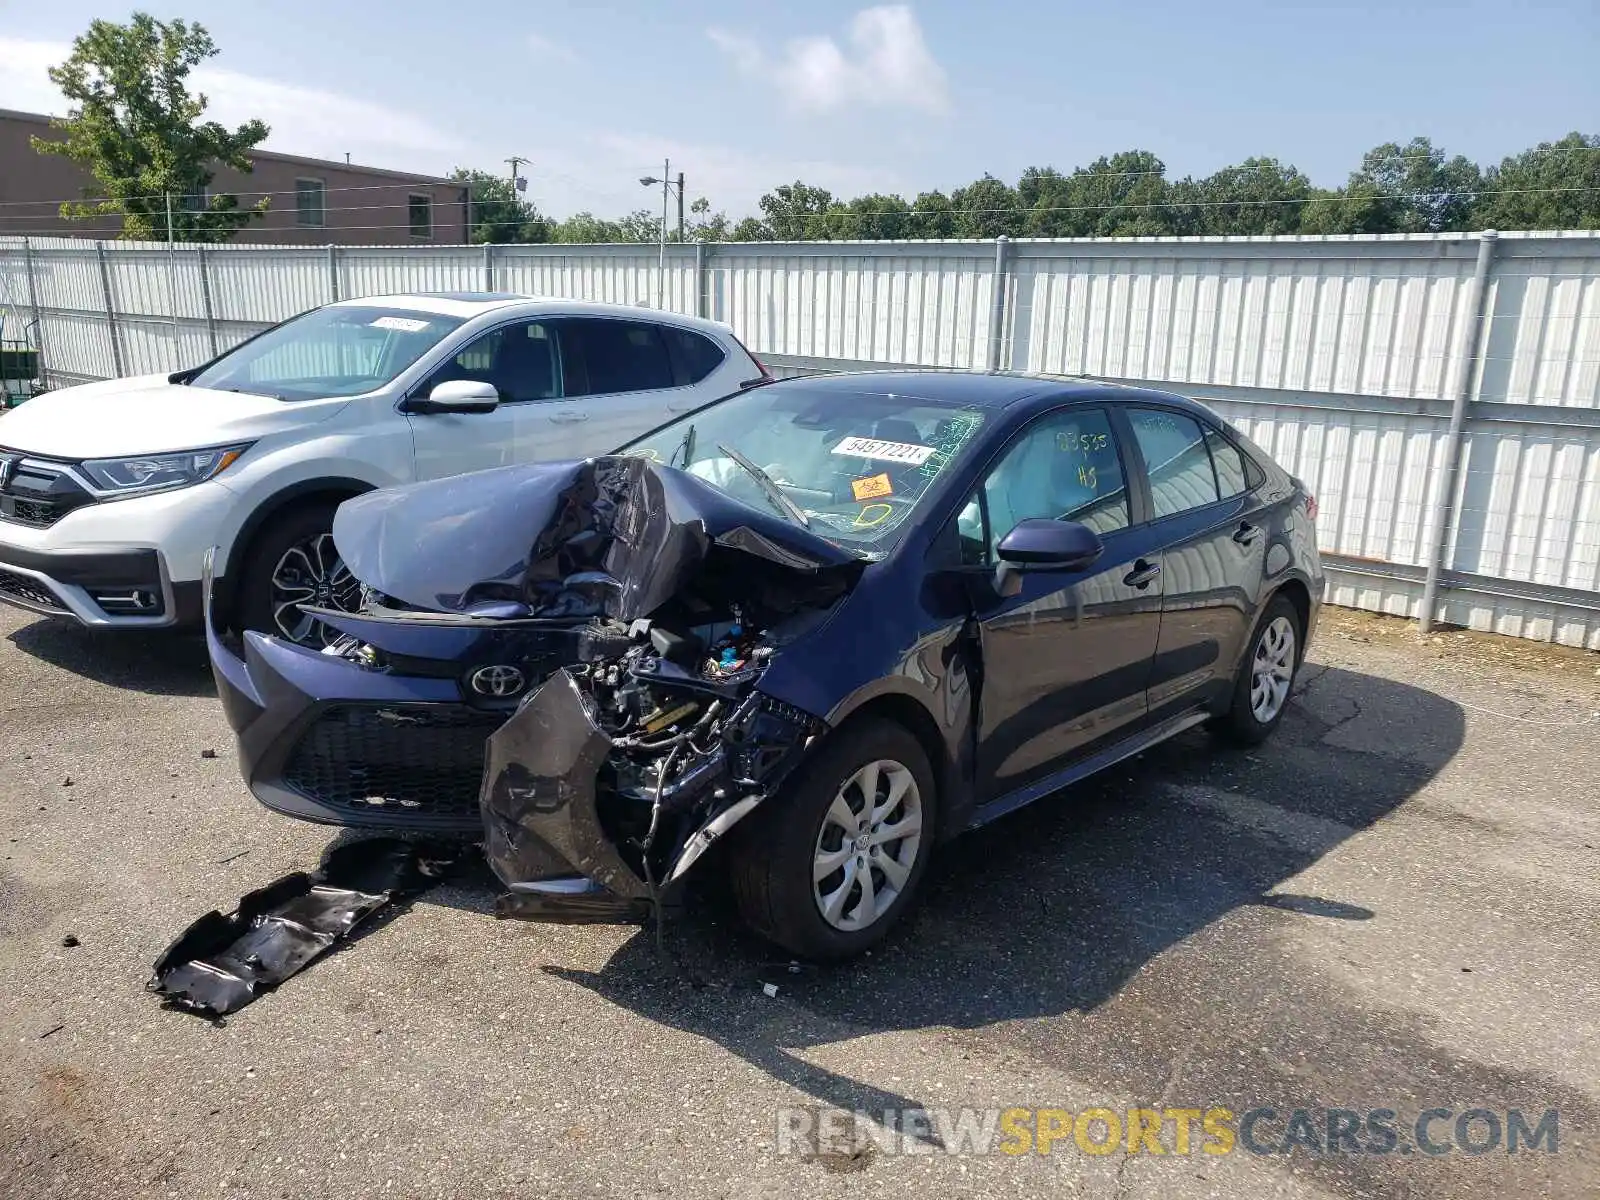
point(886, 63)
point(549, 48)
point(306, 121)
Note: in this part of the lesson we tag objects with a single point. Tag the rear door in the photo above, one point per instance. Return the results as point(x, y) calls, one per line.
point(1066, 661)
point(523, 362)
point(1212, 539)
point(624, 377)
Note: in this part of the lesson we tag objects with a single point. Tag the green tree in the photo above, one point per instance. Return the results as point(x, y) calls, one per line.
point(585, 228)
point(1259, 196)
point(986, 208)
point(134, 124)
point(866, 218)
point(752, 229)
point(1409, 189)
point(498, 213)
point(1555, 185)
point(790, 208)
point(704, 225)
point(1121, 196)
point(932, 216)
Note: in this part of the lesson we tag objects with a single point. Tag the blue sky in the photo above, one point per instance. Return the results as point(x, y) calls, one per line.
point(856, 97)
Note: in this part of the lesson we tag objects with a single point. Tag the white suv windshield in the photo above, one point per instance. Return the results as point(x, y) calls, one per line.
point(856, 464)
point(340, 351)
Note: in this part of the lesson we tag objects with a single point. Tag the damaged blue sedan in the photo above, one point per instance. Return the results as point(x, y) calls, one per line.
point(831, 621)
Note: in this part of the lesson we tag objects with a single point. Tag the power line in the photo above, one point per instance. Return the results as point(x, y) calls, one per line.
point(1075, 176)
point(1017, 211)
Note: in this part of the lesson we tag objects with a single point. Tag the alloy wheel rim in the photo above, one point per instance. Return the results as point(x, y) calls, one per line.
point(1273, 669)
point(311, 573)
point(867, 846)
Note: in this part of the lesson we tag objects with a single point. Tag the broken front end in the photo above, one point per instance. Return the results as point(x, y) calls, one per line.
point(563, 659)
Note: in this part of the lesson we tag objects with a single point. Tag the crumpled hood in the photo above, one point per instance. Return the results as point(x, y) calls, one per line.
point(614, 536)
point(147, 415)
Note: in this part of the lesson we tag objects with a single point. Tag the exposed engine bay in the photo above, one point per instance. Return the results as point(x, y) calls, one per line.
point(643, 607)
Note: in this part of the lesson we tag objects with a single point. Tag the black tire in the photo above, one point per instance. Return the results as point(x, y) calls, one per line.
point(254, 601)
point(1242, 724)
point(775, 849)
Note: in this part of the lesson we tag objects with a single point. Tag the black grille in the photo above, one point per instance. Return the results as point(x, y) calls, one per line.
point(40, 493)
point(394, 764)
point(29, 591)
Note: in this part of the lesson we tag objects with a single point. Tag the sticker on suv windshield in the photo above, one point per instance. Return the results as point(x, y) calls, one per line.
point(900, 452)
point(400, 324)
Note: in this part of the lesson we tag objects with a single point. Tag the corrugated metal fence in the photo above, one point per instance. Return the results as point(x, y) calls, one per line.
point(1440, 394)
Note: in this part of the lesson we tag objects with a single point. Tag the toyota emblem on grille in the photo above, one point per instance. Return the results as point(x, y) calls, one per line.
point(497, 681)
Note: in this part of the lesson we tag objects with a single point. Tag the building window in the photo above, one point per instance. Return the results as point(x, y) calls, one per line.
point(421, 210)
point(310, 203)
point(196, 201)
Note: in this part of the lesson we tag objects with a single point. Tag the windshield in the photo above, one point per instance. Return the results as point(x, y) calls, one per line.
point(338, 351)
point(856, 464)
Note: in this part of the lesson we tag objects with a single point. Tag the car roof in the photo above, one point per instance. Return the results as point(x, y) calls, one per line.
point(475, 304)
point(987, 389)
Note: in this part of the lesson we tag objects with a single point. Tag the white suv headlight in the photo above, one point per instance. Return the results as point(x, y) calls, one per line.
point(161, 472)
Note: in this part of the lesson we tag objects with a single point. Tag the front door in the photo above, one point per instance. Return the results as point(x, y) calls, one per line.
point(1212, 541)
point(1066, 661)
point(523, 361)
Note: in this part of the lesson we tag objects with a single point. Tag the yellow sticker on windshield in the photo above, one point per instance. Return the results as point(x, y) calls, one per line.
point(871, 487)
point(872, 514)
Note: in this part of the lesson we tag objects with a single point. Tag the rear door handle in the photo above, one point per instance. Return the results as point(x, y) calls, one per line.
point(1141, 575)
point(568, 418)
point(1246, 533)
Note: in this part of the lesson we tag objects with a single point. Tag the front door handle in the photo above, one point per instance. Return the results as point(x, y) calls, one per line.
point(1246, 533)
point(568, 418)
point(1141, 575)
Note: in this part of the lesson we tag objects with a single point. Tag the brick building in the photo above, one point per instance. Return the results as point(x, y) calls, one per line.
point(312, 200)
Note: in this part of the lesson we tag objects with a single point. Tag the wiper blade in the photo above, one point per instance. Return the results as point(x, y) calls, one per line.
point(687, 446)
point(774, 493)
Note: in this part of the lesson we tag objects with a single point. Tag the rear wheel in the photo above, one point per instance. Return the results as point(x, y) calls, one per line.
point(293, 562)
point(1266, 676)
point(826, 867)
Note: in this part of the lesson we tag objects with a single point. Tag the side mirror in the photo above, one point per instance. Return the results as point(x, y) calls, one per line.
point(1040, 544)
point(457, 396)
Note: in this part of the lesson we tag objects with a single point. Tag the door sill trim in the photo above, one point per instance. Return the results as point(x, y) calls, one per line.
point(1092, 765)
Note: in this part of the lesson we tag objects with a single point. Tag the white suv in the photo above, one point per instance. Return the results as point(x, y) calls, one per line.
point(111, 493)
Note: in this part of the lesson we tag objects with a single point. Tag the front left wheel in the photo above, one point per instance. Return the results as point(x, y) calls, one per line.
point(826, 867)
point(292, 563)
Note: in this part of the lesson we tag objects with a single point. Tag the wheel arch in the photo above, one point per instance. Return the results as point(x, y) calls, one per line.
point(325, 490)
point(911, 714)
point(1298, 593)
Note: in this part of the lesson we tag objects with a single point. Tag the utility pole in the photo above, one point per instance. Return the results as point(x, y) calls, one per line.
point(680, 207)
point(516, 180)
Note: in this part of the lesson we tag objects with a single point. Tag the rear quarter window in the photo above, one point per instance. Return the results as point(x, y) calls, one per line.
point(695, 356)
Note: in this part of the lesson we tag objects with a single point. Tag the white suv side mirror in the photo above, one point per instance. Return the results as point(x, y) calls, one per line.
point(457, 396)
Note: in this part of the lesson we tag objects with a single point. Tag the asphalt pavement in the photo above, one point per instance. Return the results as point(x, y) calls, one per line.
point(1394, 905)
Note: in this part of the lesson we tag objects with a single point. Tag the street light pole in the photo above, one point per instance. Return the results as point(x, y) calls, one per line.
point(666, 189)
point(661, 275)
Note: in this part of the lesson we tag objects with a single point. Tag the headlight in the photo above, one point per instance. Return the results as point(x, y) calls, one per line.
point(161, 472)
